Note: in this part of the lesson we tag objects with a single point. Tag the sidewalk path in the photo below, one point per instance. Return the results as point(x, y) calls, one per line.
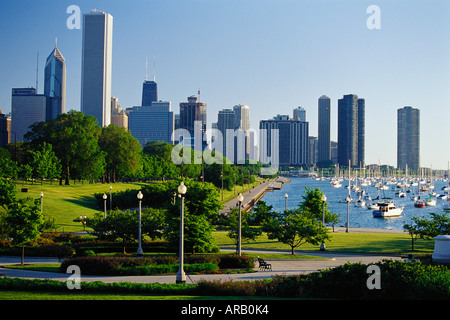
point(255, 193)
point(279, 267)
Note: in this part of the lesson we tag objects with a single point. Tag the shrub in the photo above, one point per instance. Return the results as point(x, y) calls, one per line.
point(233, 261)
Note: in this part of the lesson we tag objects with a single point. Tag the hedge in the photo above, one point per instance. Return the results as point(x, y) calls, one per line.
point(399, 281)
point(97, 265)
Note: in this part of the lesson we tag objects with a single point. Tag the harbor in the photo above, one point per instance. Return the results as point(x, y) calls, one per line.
point(361, 216)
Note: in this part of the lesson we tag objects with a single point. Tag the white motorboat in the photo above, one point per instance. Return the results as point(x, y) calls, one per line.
point(387, 209)
point(430, 202)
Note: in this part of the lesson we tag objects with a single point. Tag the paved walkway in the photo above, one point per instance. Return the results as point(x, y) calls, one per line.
point(279, 267)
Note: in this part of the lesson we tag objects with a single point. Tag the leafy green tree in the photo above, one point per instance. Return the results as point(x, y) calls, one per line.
point(312, 204)
point(7, 192)
point(74, 137)
point(44, 162)
point(423, 228)
point(23, 220)
point(294, 228)
point(124, 225)
point(262, 212)
point(122, 152)
point(8, 167)
point(248, 233)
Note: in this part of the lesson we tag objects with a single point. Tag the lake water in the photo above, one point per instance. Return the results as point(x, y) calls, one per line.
point(359, 217)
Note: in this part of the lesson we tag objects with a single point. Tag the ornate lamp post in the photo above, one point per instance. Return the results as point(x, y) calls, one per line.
point(181, 275)
point(348, 199)
point(140, 253)
point(104, 204)
point(324, 199)
point(240, 199)
point(285, 200)
point(42, 201)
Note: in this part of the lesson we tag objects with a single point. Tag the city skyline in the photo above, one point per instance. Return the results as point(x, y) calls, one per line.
point(270, 55)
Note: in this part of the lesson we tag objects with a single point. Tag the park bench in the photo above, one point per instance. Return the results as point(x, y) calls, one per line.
point(263, 265)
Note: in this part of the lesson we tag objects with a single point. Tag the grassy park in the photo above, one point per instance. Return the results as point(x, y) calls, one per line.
point(66, 203)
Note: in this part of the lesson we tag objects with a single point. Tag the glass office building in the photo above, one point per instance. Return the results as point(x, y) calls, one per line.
point(96, 66)
point(27, 108)
point(55, 84)
point(149, 93)
point(351, 131)
point(408, 139)
point(152, 123)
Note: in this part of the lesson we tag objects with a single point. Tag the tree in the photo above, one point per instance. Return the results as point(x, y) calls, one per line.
point(437, 224)
point(7, 192)
point(122, 152)
point(312, 203)
point(44, 162)
point(74, 137)
point(23, 220)
point(247, 232)
point(294, 228)
point(123, 225)
point(262, 212)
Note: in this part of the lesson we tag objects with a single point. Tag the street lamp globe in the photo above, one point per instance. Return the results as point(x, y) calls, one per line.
point(182, 188)
point(105, 196)
point(286, 195)
point(140, 195)
point(324, 198)
point(240, 197)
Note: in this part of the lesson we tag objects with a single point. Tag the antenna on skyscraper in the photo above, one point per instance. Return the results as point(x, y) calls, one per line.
point(37, 71)
point(198, 95)
point(146, 68)
point(154, 69)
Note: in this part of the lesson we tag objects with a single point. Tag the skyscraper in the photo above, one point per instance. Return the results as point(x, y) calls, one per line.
point(351, 132)
point(96, 66)
point(5, 130)
point(226, 121)
point(324, 138)
point(408, 138)
point(242, 117)
point(293, 140)
point(55, 84)
point(190, 112)
point(152, 123)
point(27, 107)
point(149, 92)
point(299, 113)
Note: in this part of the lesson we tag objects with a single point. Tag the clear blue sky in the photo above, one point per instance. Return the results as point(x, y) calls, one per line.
point(271, 55)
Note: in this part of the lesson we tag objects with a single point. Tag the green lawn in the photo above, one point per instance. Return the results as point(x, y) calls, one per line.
point(66, 203)
point(376, 243)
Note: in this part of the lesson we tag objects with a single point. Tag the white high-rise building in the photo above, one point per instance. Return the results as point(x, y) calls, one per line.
point(96, 66)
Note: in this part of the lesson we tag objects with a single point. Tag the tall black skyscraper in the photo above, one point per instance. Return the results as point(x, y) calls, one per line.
point(149, 93)
point(324, 139)
point(351, 131)
point(408, 138)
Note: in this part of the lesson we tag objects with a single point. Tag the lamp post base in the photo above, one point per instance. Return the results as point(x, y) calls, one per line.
point(181, 277)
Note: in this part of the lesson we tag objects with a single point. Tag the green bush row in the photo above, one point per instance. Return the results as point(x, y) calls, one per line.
point(399, 280)
point(98, 265)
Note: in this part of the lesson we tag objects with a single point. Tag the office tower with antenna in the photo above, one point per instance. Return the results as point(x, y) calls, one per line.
point(149, 88)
